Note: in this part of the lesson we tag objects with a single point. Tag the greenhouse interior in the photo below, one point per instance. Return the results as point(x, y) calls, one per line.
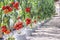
point(29, 19)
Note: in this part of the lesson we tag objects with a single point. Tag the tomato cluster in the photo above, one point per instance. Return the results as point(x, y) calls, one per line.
point(15, 5)
point(5, 30)
point(28, 21)
point(18, 25)
point(7, 9)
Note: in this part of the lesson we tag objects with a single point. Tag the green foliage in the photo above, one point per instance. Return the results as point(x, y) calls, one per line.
point(42, 8)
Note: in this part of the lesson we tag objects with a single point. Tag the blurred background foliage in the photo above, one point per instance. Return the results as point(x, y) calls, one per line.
point(43, 8)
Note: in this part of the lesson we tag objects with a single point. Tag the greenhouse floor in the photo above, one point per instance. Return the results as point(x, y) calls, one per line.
point(49, 31)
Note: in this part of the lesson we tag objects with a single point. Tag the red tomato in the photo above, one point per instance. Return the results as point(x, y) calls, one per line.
point(17, 28)
point(7, 32)
point(35, 21)
point(4, 29)
point(20, 26)
point(4, 26)
point(16, 5)
point(4, 7)
point(27, 9)
point(10, 9)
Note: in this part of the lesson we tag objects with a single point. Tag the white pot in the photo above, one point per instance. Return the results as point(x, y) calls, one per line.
point(20, 37)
